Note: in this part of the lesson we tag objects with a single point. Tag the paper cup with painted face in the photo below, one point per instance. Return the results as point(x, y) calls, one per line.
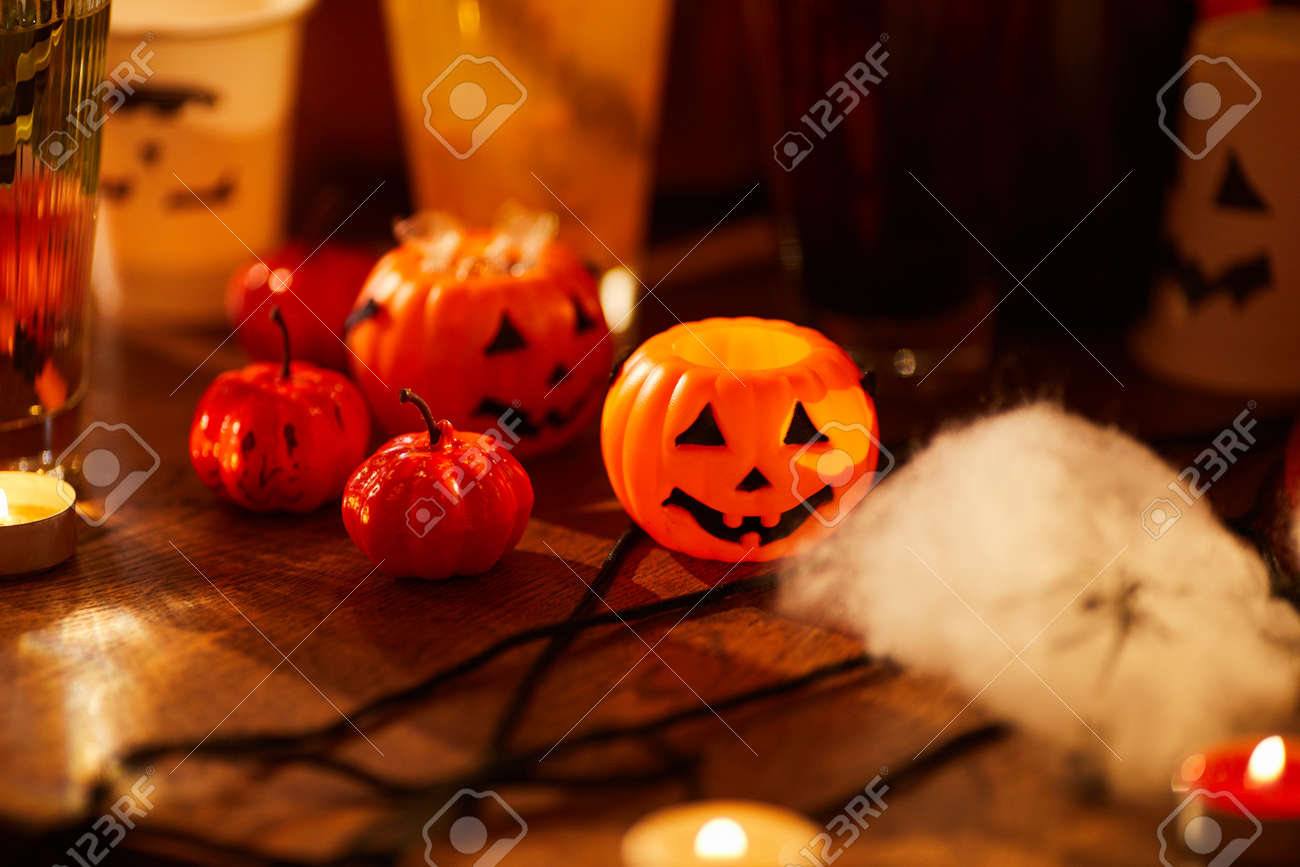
point(198, 135)
point(1227, 299)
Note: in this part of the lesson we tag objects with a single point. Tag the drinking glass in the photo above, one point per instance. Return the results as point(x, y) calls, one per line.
point(553, 104)
point(51, 109)
point(914, 148)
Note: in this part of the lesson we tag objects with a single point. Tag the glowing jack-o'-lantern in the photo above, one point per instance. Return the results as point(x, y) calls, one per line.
point(499, 328)
point(736, 439)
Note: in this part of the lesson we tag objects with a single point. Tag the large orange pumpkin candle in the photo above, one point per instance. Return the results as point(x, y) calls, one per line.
point(736, 439)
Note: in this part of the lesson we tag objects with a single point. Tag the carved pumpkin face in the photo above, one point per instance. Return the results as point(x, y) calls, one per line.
point(735, 439)
point(498, 330)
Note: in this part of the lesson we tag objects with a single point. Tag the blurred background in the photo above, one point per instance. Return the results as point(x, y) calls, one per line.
point(994, 141)
point(1019, 116)
point(931, 184)
point(989, 131)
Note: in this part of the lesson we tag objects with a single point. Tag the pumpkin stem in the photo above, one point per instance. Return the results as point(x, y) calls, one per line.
point(278, 319)
point(868, 383)
point(408, 396)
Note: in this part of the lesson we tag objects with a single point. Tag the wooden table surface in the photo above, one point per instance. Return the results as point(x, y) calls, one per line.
point(161, 648)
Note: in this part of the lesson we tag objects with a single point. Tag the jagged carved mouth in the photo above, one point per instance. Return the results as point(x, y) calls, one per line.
point(711, 520)
point(527, 424)
point(1242, 279)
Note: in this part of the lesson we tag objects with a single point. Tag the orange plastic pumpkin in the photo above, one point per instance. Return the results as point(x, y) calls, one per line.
point(736, 439)
point(497, 329)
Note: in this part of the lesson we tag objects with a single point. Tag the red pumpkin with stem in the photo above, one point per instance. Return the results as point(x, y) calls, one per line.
point(279, 437)
point(437, 503)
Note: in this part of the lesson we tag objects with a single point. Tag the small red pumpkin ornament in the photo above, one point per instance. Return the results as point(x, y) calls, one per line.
point(279, 437)
point(314, 289)
point(739, 439)
point(437, 503)
point(495, 328)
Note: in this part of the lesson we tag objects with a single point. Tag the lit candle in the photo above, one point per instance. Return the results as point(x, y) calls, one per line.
point(37, 522)
point(1243, 795)
point(718, 834)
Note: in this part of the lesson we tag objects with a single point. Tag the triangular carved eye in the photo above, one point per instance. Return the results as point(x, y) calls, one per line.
point(802, 431)
point(582, 322)
point(703, 431)
point(508, 338)
point(1236, 190)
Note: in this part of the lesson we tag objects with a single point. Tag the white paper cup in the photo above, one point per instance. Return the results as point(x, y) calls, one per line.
point(1224, 311)
point(194, 166)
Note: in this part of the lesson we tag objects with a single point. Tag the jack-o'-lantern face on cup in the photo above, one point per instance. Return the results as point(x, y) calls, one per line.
point(744, 438)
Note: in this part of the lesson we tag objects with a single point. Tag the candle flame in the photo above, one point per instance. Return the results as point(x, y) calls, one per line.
point(4, 505)
point(1267, 761)
point(721, 838)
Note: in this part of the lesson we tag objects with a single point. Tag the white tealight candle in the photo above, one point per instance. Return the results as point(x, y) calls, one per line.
point(38, 526)
point(718, 834)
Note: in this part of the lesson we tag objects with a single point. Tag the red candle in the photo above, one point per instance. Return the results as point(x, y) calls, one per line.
point(1263, 775)
point(1240, 804)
